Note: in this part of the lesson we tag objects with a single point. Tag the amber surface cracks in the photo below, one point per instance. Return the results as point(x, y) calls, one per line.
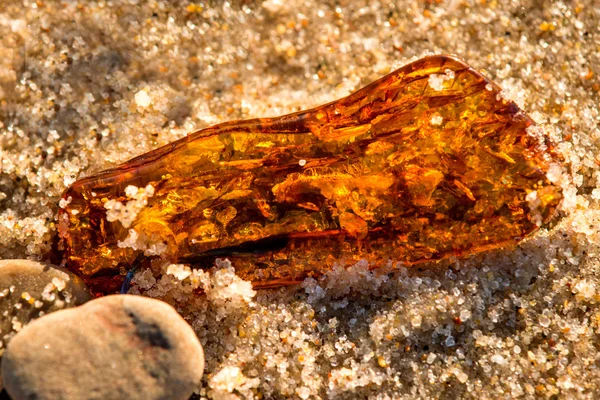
point(425, 163)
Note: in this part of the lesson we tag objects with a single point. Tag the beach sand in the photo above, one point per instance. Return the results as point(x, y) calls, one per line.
point(87, 85)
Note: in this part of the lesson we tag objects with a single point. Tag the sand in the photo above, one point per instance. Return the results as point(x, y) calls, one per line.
point(87, 85)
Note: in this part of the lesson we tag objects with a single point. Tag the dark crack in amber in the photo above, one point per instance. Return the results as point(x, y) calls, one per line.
point(426, 163)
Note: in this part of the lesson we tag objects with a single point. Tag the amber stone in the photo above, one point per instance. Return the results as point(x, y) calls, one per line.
point(425, 163)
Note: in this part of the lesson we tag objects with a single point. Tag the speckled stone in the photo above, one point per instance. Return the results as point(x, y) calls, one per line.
point(115, 347)
point(30, 289)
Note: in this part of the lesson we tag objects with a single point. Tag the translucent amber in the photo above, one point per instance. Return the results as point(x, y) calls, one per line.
point(427, 162)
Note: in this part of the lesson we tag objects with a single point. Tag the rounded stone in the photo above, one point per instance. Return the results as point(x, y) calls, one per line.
point(115, 347)
point(31, 289)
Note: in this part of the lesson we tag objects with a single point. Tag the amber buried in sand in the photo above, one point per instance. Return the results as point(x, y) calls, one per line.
point(427, 162)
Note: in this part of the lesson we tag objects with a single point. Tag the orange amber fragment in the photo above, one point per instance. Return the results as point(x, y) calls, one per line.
point(425, 163)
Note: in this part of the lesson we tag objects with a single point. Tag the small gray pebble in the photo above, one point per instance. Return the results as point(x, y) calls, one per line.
point(115, 347)
point(30, 289)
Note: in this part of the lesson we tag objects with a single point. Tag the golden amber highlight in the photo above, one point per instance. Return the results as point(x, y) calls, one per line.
point(425, 163)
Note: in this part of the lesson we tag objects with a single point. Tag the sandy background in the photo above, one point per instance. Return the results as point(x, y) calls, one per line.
point(86, 85)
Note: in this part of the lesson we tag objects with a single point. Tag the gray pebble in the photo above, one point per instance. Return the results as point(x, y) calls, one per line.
point(31, 289)
point(115, 347)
